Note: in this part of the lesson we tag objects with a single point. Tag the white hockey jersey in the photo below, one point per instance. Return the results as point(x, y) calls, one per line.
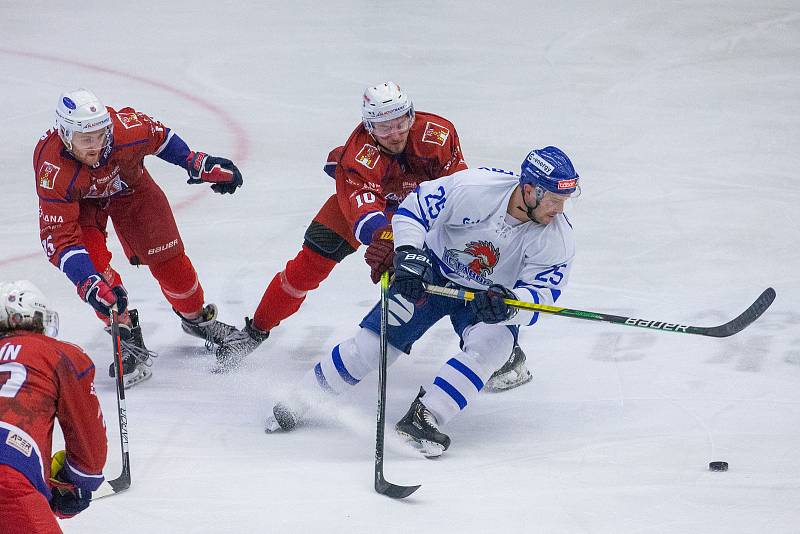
point(462, 220)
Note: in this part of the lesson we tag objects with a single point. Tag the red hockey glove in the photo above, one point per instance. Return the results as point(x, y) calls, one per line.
point(94, 290)
point(380, 253)
point(489, 306)
point(68, 500)
point(221, 173)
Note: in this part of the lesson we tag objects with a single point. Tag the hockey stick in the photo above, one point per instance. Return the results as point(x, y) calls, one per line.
point(724, 330)
point(123, 481)
point(383, 486)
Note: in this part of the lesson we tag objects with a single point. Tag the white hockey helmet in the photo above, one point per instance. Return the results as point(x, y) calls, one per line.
point(385, 102)
point(81, 111)
point(23, 306)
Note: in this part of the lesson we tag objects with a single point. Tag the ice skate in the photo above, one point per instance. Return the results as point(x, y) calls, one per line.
point(512, 374)
point(420, 428)
point(283, 419)
point(137, 360)
point(235, 347)
point(207, 327)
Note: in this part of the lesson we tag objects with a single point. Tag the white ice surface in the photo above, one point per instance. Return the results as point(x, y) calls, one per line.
point(683, 119)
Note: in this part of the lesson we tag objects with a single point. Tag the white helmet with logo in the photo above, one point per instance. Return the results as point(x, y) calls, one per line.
point(81, 111)
point(385, 102)
point(24, 306)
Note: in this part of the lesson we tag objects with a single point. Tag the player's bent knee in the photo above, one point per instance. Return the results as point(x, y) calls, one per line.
point(326, 242)
point(488, 345)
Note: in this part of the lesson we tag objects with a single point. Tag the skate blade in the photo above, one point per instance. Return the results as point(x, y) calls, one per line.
point(506, 381)
point(429, 449)
point(140, 376)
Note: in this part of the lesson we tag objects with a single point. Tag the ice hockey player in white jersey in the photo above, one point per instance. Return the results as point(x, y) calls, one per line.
point(488, 230)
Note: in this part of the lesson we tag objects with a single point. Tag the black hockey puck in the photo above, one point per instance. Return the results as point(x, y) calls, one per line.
point(718, 466)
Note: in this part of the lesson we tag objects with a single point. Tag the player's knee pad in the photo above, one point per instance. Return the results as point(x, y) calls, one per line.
point(326, 242)
point(307, 270)
point(350, 361)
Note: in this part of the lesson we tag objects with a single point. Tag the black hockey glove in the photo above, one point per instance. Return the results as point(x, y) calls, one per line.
point(489, 307)
point(95, 290)
point(412, 269)
point(221, 173)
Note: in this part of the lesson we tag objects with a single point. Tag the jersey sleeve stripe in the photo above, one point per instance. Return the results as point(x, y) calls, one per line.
point(535, 296)
point(83, 480)
point(165, 143)
point(367, 225)
point(76, 264)
point(403, 212)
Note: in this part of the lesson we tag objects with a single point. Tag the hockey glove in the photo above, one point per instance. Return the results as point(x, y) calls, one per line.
point(220, 172)
point(68, 500)
point(489, 307)
point(96, 291)
point(380, 253)
point(412, 270)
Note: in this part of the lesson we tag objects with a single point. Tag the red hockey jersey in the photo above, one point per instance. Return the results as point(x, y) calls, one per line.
point(62, 181)
point(370, 182)
point(42, 379)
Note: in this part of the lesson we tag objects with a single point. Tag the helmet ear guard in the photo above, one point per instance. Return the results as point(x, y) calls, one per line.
point(384, 102)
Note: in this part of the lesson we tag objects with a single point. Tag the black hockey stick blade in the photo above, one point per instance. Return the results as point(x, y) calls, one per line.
point(394, 491)
point(112, 487)
point(745, 318)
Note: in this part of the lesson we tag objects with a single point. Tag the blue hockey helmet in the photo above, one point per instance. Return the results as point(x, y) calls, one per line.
point(550, 169)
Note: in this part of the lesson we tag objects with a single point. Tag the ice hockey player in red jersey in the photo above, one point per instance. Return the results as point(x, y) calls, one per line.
point(89, 169)
point(387, 156)
point(43, 379)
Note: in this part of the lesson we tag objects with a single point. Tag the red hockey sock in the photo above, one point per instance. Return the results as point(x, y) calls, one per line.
point(179, 284)
point(288, 289)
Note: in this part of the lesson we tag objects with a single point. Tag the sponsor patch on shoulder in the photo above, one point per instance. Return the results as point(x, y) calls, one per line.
point(19, 443)
point(435, 133)
point(129, 120)
point(47, 175)
point(368, 156)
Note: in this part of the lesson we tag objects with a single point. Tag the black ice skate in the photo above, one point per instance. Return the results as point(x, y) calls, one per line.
point(207, 327)
point(283, 419)
point(420, 428)
point(233, 349)
point(137, 360)
point(512, 374)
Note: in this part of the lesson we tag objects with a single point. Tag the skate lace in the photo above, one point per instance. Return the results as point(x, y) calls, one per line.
point(214, 331)
point(430, 419)
point(140, 354)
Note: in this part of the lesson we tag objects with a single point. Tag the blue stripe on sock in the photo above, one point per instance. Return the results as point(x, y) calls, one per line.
point(448, 388)
point(323, 383)
point(339, 364)
point(466, 371)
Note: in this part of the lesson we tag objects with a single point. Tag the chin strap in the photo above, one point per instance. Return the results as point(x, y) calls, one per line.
point(538, 195)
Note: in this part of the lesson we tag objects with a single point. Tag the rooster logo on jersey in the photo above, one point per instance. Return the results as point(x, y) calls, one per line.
point(476, 261)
